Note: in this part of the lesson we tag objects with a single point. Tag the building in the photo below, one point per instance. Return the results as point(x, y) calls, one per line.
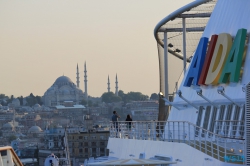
point(64, 89)
point(88, 144)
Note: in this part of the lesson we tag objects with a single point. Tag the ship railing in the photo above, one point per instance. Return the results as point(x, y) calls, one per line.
point(8, 157)
point(219, 146)
point(230, 128)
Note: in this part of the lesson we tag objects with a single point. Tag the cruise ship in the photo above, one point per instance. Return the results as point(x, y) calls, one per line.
point(206, 121)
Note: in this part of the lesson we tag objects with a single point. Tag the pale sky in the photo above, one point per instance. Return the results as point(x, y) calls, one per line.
point(44, 39)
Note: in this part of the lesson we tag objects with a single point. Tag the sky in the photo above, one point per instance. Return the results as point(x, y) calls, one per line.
point(42, 40)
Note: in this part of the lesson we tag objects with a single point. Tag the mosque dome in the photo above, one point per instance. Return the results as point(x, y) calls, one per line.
point(63, 80)
point(63, 89)
point(35, 129)
point(8, 126)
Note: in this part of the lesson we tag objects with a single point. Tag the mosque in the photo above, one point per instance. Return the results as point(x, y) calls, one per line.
point(65, 90)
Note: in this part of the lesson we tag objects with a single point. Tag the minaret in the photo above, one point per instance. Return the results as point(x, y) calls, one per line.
point(85, 82)
point(108, 84)
point(116, 85)
point(77, 77)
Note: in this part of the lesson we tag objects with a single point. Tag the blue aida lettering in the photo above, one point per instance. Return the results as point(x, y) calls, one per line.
point(196, 65)
point(234, 158)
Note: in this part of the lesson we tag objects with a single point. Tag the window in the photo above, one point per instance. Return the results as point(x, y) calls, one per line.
point(93, 143)
point(235, 118)
point(93, 137)
point(97, 151)
point(80, 150)
point(80, 137)
point(90, 151)
point(102, 143)
point(198, 122)
point(213, 118)
point(228, 118)
point(206, 118)
point(242, 126)
point(86, 144)
point(102, 150)
point(85, 137)
point(86, 150)
point(220, 119)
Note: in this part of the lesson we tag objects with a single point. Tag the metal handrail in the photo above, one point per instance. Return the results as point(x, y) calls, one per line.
point(218, 135)
point(14, 157)
point(229, 121)
point(213, 144)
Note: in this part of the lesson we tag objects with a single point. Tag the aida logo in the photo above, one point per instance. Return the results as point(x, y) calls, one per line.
point(219, 63)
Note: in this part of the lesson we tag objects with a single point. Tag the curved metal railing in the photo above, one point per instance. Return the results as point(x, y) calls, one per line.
point(226, 149)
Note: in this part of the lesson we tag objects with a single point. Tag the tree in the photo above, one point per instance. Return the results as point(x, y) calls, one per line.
point(31, 95)
point(39, 100)
point(121, 94)
point(83, 102)
point(109, 97)
point(136, 96)
point(90, 103)
point(2, 96)
point(21, 100)
point(154, 96)
point(32, 100)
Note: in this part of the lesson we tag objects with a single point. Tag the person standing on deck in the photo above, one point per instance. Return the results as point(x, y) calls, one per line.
point(115, 117)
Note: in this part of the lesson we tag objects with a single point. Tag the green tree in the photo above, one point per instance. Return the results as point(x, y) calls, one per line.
point(121, 94)
point(136, 96)
point(90, 103)
point(109, 97)
point(21, 100)
point(83, 102)
point(39, 100)
point(2, 96)
point(154, 96)
point(31, 95)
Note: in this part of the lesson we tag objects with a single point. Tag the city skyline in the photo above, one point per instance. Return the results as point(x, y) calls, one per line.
point(43, 40)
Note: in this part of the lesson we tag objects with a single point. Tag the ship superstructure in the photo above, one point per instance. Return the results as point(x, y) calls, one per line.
point(208, 119)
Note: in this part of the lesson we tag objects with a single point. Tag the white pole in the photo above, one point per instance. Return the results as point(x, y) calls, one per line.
point(184, 44)
point(166, 64)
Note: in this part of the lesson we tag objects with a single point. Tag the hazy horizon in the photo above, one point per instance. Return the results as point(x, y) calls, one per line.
point(43, 40)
